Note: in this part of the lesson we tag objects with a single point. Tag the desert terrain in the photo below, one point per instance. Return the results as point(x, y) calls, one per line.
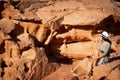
point(58, 39)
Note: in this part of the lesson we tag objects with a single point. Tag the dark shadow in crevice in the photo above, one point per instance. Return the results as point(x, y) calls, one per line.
point(106, 24)
point(14, 3)
point(112, 51)
point(26, 68)
point(36, 42)
point(102, 78)
point(2, 73)
point(56, 57)
point(118, 41)
point(64, 60)
point(32, 21)
point(1, 8)
point(116, 29)
point(24, 49)
point(17, 31)
point(82, 27)
point(75, 78)
point(61, 29)
point(22, 5)
point(17, 79)
point(3, 65)
point(2, 48)
point(117, 0)
point(110, 25)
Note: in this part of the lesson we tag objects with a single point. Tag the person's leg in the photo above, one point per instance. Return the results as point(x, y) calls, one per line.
point(100, 62)
point(105, 59)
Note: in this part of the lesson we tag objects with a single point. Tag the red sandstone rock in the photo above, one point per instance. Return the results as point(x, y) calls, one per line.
point(7, 25)
point(37, 35)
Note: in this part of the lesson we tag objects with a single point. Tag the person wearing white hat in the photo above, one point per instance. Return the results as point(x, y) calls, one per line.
point(104, 49)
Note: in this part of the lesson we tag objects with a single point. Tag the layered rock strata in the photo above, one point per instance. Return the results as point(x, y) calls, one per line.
point(33, 33)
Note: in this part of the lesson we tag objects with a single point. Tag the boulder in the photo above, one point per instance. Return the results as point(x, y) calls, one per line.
point(6, 25)
point(84, 67)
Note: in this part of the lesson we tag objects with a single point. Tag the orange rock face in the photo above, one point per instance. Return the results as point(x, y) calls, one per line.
point(36, 36)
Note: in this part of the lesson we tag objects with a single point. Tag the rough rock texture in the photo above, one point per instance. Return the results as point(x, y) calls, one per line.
point(36, 36)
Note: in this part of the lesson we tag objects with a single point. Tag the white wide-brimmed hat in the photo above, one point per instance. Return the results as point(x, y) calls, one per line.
point(105, 34)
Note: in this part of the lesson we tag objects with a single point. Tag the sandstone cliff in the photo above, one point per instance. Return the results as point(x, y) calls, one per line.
point(39, 37)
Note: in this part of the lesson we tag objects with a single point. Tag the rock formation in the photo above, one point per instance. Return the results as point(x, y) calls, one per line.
point(39, 37)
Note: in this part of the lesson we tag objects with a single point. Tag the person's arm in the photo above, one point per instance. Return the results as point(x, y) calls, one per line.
point(106, 50)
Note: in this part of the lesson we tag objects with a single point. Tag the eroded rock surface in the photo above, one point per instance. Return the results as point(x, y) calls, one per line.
point(38, 35)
